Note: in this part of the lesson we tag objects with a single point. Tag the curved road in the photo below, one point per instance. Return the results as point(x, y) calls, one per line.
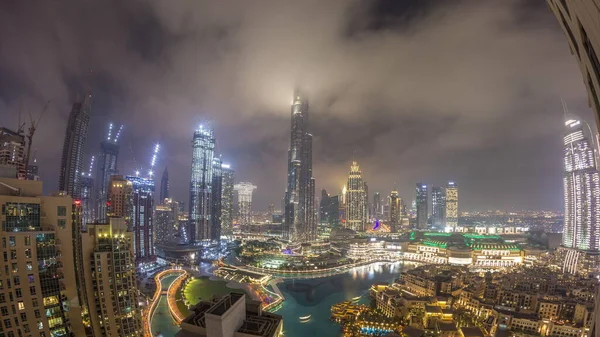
point(161, 320)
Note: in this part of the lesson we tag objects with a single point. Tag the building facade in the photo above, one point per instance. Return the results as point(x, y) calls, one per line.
point(166, 221)
point(438, 207)
point(216, 205)
point(356, 200)
point(299, 216)
point(581, 189)
point(227, 200)
point(142, 216)
point(451, 206)
point(71, 166)
point(580, 20)
point(110, 272)
point(422, 206)
point(377, 211)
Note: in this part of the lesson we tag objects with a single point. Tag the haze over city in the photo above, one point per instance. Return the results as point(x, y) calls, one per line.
point(426, 91)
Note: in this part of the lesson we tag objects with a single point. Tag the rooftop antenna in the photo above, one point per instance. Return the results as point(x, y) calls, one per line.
point(32, 127)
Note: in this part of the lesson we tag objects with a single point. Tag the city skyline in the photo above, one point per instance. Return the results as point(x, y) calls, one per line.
point(338, 108)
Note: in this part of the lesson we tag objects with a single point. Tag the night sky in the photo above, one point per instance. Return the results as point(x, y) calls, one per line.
point(413, 90)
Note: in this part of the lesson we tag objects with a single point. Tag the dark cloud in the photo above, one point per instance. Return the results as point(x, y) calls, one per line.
point(412, 90)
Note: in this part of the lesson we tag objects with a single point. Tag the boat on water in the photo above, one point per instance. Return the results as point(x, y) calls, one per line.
point(305, 319)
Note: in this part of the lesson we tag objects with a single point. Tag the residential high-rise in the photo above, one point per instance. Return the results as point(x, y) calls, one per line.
point(244, 190)
point(438, 207)
point(334, 212)
point(107, 167)
point(142, 216)
point(421, 204)
point(216, 202)
point(395, 210)
point(166, 221)
point(164, 185)
point(581, 188)
point(39, 294)
point(377, 212)
point(110, 268)
point(12, 150)
point(201, 189)
point(299, 216)
point(356, 200)
point(71, 165)
point(451, 205)
point(227, 201)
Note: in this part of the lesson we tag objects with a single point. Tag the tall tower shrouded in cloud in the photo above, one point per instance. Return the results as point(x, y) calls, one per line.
point(71, 166)
point(299, 216)
point(582, 189)
point(356, 200)
point(107, 166)
point(421, 203)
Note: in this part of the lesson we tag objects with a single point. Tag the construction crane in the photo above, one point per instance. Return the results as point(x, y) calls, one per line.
point(32, 127)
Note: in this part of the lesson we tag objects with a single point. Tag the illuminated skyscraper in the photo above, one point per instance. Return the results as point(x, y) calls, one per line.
point(451, 205)
point(244, 190)
point(438, 207)
point(421, 204)
point(227, 201)
point(142, 216)
point(107, 166)
point(356, 200)
point(201, 189)
point(299, 215)
point(581, 187)
point(164, 185)
point(395, 210)
point(72, 156)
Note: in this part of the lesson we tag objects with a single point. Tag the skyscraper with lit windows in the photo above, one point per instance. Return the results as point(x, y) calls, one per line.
point(299, 210)
point(227, 200)
point(106, 167)
point(142, 216)
point(356, 200)
point(581, 188)
point(451, 206)
point(421, 204)
point(205, 187)
point(395, 210)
